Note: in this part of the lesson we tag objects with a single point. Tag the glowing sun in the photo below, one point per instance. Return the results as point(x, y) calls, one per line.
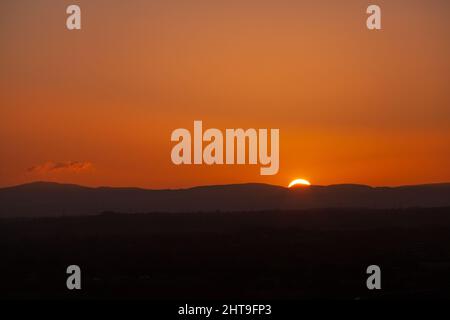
point(299, 182)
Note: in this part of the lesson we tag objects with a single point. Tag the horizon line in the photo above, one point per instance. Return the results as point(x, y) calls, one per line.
point(216, 185)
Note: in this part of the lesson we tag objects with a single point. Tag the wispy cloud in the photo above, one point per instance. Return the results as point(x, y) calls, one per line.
point(50, 166)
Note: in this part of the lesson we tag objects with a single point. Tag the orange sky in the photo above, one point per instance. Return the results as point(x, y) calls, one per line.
point(97, 106)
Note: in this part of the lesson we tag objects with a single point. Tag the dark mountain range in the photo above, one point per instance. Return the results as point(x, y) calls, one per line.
point(53, 199)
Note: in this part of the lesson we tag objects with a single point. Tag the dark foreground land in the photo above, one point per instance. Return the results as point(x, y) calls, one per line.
point(259, 255)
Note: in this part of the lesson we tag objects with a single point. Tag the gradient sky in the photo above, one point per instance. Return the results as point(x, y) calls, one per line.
point(97, 106)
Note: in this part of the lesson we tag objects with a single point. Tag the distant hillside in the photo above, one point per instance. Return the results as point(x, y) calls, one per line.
point(53, 199)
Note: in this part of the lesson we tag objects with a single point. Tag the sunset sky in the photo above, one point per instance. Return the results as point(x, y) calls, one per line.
point(97, 106)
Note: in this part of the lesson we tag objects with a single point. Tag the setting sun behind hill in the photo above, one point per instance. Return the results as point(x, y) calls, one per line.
point(299, 182)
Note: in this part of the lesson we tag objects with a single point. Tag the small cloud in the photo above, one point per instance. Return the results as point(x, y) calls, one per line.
point(50, 166)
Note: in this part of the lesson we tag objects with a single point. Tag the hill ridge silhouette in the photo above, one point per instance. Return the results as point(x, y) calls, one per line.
point(42, 198)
